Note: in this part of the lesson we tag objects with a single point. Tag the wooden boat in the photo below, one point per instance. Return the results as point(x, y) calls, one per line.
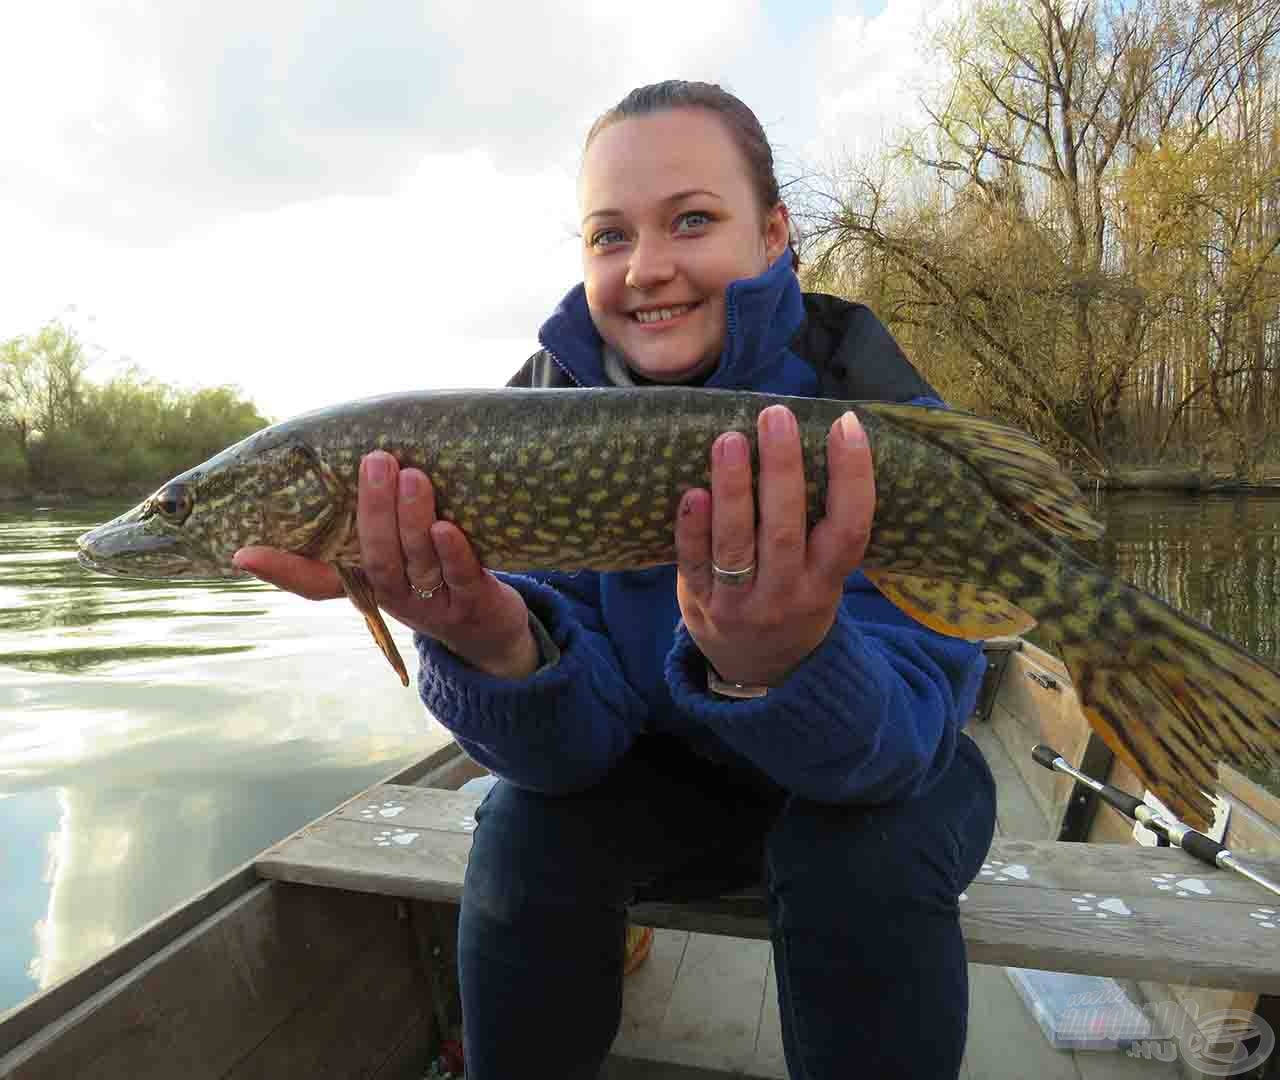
point(271, 977)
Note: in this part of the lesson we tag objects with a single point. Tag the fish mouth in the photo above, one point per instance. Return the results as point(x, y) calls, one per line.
point(130, 550)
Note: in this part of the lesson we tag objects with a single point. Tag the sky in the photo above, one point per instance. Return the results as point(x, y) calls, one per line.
point(318, 201)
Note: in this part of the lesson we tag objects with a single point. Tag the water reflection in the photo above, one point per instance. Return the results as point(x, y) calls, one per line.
point(1215, 558)
point(153, 737)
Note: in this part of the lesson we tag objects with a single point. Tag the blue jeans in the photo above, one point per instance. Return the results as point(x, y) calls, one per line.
point(870, 961)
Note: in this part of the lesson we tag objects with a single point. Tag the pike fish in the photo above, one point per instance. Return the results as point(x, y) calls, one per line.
point(969, 535)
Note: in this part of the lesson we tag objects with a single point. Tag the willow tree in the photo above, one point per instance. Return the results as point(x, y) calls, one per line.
point(1023, 257)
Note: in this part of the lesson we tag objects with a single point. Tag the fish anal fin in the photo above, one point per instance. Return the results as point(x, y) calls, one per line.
point(360, 592)
point(953, 608)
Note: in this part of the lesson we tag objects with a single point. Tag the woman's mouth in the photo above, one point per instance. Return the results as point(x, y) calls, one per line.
point(658, 316)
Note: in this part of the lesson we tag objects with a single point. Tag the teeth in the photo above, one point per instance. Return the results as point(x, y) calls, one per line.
point(662, 314)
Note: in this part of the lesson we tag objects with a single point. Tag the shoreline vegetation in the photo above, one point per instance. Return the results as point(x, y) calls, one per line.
point(63, 435)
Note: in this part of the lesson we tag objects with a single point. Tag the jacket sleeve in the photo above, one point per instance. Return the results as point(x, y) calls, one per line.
point(870, 716)
point(562, 728)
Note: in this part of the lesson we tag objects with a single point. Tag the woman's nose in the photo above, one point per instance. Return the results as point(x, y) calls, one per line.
point(650, 264)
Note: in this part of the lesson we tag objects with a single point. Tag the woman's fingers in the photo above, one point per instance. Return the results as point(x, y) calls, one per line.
point(293, 573)
point(733, 518)
point(415, 515)
point(376, 520)
point(781, 542)
point(838, 543)
point(693, 544)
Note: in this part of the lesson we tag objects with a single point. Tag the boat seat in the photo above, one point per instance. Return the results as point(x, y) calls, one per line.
point(1121, 910)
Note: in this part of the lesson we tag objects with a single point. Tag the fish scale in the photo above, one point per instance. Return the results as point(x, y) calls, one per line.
point(969, 535)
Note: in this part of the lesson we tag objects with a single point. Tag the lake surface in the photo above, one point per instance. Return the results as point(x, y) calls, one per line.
point(154, 737)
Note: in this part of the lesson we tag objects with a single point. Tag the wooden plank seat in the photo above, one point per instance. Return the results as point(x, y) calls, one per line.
point(1101, 909)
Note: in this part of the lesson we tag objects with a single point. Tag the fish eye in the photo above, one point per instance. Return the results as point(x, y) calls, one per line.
point(174, 503)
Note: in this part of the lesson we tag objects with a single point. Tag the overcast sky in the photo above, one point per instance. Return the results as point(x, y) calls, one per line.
point(318, 201)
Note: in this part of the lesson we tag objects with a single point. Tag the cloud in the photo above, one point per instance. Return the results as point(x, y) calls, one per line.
point(151, 116)
point(318, 202)
point(872, 72)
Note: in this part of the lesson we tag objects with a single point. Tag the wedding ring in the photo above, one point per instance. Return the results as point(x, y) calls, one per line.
point(426, 594)
point(733, 577)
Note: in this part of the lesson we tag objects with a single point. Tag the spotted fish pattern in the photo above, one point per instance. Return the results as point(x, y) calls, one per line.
point(970, 535)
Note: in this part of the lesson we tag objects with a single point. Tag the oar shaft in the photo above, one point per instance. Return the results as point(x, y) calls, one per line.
point(1195, 843)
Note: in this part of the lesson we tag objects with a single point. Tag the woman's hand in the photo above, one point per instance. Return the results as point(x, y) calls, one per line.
point(402, 544)
point(756, 629)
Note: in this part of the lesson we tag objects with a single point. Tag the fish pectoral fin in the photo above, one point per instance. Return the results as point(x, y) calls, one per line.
point(956, 609)
point(360, 592)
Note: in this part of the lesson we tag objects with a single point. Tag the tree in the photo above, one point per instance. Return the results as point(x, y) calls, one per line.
point(1093, 197)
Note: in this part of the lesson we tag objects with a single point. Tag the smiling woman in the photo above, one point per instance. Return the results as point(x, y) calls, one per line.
point(759, 688)
point(665, 234)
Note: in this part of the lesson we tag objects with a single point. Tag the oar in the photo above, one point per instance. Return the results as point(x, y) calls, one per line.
point(1176, 832)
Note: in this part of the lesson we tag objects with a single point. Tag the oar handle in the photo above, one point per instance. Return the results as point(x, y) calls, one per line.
point(1121, 800)
point(1192, 842)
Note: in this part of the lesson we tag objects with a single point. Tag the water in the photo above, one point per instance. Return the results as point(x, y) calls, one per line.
point(155, 736)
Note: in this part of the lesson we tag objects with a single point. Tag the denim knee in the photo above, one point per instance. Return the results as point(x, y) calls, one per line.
point(828, 863)
point(532, 850)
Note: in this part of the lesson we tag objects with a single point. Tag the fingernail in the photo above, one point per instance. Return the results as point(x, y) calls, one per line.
point(733, 449)
point(853, 431)
point(375, 468)
point(778, 421)
point(408, 487)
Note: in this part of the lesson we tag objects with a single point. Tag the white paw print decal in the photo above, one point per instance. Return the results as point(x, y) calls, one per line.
point(1085, 903)
point(963, 896)
point(1186, 886)
point(400, 837)
point(1265, 916)
point(999, 870)
point(382, 810)
point(467, 824)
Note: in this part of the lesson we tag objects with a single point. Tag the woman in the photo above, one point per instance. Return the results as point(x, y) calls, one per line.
point(757, 712)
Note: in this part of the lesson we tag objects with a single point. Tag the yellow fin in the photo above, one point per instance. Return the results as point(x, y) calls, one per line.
point(953, 608)
point(360, 592)
point(1018, 470)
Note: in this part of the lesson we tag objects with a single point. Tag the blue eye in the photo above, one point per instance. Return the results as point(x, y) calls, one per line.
point(694, 219)
point(605, 237)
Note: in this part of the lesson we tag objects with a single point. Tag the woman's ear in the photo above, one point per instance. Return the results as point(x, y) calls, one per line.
point(777, 232)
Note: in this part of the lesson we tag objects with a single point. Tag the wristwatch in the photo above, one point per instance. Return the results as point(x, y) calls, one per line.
point(723, 688)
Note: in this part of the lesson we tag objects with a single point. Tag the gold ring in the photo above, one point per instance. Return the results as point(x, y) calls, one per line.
point(733, 577)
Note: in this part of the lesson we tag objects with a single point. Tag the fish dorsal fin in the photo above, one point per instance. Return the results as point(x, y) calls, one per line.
point(1017, 469)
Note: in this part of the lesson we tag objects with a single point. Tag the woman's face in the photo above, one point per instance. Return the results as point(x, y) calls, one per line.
point(669, 219)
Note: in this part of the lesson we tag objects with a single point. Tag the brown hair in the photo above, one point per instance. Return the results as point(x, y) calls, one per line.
point(738, 119)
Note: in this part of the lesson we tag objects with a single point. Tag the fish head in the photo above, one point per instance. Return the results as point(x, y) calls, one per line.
point(262, 491)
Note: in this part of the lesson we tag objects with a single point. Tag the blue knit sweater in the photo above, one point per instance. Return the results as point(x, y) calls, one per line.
point(870, 716)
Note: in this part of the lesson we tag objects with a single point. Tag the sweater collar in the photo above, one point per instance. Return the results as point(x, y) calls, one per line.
point(762, 315)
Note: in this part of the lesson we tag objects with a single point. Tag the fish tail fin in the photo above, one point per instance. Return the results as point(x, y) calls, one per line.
point(1169, 696)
